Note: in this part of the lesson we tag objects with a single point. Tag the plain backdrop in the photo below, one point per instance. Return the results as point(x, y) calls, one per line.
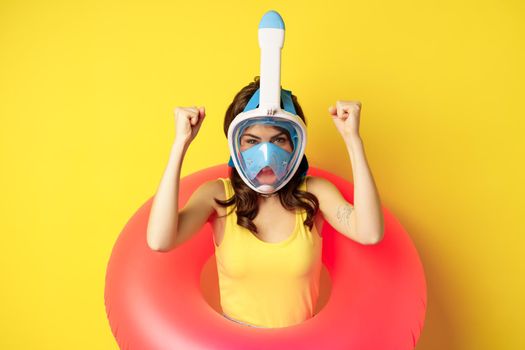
point(87, 93)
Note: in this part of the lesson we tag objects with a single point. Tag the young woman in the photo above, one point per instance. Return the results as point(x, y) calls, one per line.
point(267, 246)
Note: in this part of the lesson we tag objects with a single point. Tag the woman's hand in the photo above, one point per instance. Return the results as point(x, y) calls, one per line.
point(346, 116)
point(188, 121)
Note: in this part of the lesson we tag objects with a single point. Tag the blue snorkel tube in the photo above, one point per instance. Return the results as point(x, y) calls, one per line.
point(265, 107)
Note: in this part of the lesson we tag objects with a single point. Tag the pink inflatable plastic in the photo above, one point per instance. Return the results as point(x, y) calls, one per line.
point(373, 297)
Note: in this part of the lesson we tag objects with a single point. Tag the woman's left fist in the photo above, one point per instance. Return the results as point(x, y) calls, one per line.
point(346, 116)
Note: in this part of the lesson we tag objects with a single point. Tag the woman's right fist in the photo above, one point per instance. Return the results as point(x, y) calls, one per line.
point(188, 121)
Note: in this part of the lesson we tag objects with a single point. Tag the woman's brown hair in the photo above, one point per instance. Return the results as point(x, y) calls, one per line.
point(245, 199)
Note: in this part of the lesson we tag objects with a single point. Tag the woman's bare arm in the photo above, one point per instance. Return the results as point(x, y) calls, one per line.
point(368, 213)
point(364, 219)
point(164, 216)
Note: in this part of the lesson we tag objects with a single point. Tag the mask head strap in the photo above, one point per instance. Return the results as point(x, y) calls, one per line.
point(286, 99)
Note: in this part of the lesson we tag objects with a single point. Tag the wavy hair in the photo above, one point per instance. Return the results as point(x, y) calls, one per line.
point(245, 200)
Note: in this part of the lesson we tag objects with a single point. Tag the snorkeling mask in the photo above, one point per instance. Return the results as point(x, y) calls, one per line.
point(264, 166)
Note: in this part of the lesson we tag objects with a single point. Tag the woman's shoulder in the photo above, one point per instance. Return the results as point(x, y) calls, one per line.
point(315, 182)
point(213, 188)
point(318, 185)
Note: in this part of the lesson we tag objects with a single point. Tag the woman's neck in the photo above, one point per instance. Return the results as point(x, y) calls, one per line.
point(268, 198)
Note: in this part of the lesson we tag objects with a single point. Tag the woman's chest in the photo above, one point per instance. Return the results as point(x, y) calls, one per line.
point(274, 225)
point(283, 248)
point(241, 254)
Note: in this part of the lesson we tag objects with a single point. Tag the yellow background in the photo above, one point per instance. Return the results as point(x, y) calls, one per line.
point(87, 92)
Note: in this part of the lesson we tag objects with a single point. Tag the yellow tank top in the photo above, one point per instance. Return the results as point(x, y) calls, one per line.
point(268, 284)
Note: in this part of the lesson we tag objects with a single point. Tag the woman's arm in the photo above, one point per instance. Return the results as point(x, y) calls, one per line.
point(341, 214)
point(164, 215)
point(367, 205)
point(362, 221)
point(163, 218)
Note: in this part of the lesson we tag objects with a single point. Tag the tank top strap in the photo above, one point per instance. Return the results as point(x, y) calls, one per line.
point(302, 186)
point(302, 214)
point(228, 192)
point(228, 188)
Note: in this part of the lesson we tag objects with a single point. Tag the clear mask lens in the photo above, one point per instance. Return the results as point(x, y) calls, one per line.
point(267, 151)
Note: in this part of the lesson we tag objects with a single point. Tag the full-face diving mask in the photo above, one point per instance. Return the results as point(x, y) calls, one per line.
point(267, 143)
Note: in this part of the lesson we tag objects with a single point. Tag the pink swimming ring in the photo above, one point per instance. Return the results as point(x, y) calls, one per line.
point(375, 296)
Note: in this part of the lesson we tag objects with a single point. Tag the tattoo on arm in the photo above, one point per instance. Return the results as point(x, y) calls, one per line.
point(343, 214)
